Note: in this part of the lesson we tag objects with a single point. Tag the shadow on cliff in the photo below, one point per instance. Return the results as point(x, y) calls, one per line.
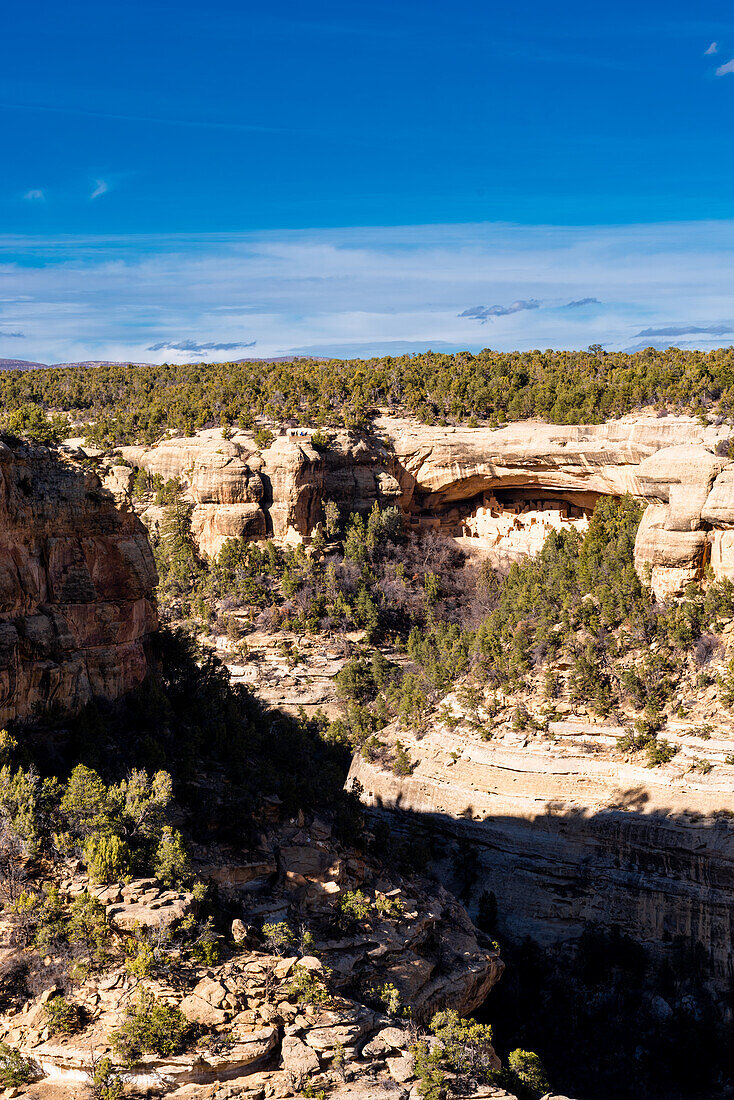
point(228, 755)
point(616, 928)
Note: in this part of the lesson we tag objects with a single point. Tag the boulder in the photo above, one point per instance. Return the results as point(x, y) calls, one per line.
point(386, 1040)
point(199, 1011)
point(299, 1059)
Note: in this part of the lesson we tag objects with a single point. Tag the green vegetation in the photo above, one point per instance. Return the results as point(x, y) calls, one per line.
point(105, 1080)
point(114, 829)
point(527, 1069)
point(355, 907)
point(278, 937)
point(578, 602)
point(128, 403)
point(151, 1027)
point(15, 1070)
point(29, 421)
point(63, 1017)
point(463, 1054)
point(306, 988)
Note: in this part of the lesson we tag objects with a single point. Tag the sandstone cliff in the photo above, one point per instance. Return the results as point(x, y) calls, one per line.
point(449, 477)
point(76, 584)
point(570, 833)
point(277, 492)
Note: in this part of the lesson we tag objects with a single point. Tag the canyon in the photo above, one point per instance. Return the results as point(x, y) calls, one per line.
point(569, 831)
point(78, 623)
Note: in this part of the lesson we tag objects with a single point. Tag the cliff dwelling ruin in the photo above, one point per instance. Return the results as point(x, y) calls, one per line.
point(511, 521)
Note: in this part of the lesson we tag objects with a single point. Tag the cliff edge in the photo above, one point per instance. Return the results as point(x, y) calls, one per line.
point(76, 587)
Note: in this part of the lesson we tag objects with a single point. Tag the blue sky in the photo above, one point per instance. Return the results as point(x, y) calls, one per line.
point(352, 178)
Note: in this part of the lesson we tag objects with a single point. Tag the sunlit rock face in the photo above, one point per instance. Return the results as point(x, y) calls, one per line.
point(499, 491)
point(76, 587)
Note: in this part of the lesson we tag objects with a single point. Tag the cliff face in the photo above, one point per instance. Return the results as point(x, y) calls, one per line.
point(497, 490)
point(568, 835)
point(279, 491)
point(76, 583)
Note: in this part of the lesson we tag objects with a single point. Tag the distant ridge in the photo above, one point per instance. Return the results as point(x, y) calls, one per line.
point(26, 364)
point(19, 364)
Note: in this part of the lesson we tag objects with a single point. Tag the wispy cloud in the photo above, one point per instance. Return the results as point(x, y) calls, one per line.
point(365, 290)
point(191, 345)
point(723, 70)
point(578, 302)
point(35, 195)
point(101, 188)
point(196, 123)
point(486, 313)
point(688, 330)
point(11, 335)
point(713, 48)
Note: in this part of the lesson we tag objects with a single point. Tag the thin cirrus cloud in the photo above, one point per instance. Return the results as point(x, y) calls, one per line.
point(101, 188)
point(11, 335)
point(724, 70)
point(191, 345)
point(713, 48)
point(579, 302)
point(34, 195)
point(367, 290)
point(486, 313)
point(688, 330)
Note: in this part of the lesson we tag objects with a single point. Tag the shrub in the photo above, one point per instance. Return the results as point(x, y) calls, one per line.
point(402, 765)
point(141, 960)
point(87, 926)
point(107, 858)
point(466, 1045)
point(321, 440)
point(15, 1070)
point(31, 422)
point(206, 948)
point(63, 1017)
point(389, 908)
point(388, 997)
point(105, 1081)
point(263, 438)
point(660, 752)
point(85, 803)
point(305, 987)
point(428, 1068)
point(528, 1069)
point(171, 865)
point(354, 905)
point(151, 1027)
point(278, 937)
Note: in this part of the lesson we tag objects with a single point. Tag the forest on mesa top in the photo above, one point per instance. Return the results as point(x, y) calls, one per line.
point(137, 403)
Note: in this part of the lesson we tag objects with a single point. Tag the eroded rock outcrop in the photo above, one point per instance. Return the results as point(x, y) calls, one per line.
point(460, 479)
point(279, 491)
point(76, 584)
point(570, 833)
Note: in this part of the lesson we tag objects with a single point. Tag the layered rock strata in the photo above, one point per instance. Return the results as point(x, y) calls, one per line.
point(569, 833)
point(76, 587)
point(498, 490)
